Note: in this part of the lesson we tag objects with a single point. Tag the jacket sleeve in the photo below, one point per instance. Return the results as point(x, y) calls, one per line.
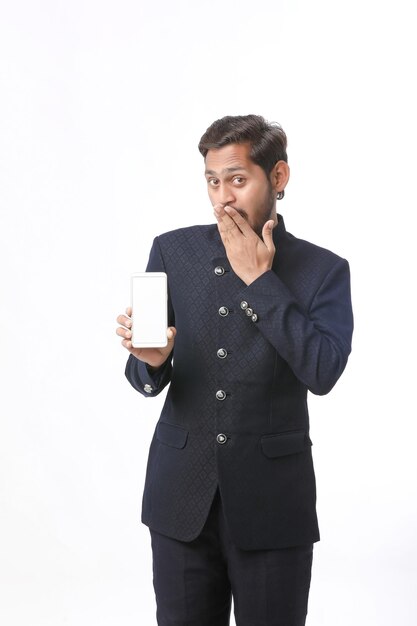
point(149, 381)
point(316, 342)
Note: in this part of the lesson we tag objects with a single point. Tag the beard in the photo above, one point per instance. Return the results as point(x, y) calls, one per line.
point(264, 213)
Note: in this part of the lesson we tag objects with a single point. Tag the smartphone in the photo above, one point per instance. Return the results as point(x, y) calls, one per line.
point(149, 293)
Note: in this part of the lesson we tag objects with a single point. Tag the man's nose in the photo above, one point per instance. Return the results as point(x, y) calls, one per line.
point(226, 195)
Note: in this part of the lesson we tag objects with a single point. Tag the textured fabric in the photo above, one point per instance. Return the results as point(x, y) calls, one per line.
point(194, 580)
point(286, 333)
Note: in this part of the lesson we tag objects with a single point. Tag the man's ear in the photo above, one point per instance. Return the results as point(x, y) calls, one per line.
point(280, 175)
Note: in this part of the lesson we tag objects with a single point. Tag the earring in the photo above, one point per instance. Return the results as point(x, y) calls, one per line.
point(280, 195)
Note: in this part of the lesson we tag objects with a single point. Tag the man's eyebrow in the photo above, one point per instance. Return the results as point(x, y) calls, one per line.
point(227, 170)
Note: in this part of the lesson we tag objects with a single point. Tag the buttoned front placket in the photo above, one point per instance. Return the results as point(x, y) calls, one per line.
point(222, 351)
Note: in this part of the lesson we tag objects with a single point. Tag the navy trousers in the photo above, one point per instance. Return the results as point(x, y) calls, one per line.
point(194, 581)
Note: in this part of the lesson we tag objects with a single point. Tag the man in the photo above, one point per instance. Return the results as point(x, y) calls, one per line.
point(258, 318)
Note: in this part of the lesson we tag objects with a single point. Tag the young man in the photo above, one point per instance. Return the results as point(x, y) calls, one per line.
point(258, 318)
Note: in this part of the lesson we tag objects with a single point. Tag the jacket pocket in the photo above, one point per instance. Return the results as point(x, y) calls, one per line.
point(282, 444)
point(171, 435)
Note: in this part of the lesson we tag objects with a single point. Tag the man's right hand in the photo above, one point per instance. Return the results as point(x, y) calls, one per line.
point(154, 357)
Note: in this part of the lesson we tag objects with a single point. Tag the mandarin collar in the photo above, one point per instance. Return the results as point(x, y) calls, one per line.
point(279, 229)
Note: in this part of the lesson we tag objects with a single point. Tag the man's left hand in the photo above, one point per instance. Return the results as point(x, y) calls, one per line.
point(249, 255)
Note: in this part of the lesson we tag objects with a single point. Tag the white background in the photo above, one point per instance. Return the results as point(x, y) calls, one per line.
point(102, 105)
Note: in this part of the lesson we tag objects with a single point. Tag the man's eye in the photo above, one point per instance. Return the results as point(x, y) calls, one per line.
point(213, 182)
point(239, 180)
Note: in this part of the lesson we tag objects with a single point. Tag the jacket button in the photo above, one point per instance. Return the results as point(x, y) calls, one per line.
point(219, 270)
point(148, 388)
point(222, 353)
point(249, 312)
point(221, 438)
point(220, 394)
point(223, 311)
point(254, 318)
point(244, 305)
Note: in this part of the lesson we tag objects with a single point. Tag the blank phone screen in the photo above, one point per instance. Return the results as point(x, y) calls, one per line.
point(149, 310)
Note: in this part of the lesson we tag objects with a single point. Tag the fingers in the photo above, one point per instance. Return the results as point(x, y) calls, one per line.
point(126, 343)
point(124, 329)
point(267, 235)
point(124, 321)
point(225, 221)
point(123, 332)
point(231, 223)
point(239, 220)
point(171, 332)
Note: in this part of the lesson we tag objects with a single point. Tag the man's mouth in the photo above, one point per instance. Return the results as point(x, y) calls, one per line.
point(242, 212)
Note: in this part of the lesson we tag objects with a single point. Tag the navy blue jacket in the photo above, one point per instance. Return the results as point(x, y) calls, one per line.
point(235, 415)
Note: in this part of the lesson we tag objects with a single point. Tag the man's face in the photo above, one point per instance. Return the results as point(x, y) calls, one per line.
point(234, 180)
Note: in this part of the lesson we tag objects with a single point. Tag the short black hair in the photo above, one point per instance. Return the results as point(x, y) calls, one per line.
point(267, 139)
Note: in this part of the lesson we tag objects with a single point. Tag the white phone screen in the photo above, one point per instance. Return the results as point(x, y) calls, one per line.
point(149, 310)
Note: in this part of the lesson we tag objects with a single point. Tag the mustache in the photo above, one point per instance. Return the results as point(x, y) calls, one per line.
point(241, 212)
